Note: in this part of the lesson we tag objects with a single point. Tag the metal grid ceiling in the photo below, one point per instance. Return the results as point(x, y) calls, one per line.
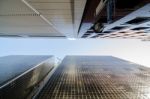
point(133, 26)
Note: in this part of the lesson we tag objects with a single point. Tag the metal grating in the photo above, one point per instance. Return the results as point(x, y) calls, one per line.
point(95, 77)
point(128, 26)
point(126, 34)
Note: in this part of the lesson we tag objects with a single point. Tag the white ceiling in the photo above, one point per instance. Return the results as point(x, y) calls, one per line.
point(42, 18)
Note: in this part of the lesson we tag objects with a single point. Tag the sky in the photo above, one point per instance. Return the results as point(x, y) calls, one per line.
point(136, 51)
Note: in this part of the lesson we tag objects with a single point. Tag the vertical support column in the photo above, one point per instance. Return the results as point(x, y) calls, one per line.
point(110, 10)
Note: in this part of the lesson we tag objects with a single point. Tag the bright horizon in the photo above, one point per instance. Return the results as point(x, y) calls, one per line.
point(135, 51)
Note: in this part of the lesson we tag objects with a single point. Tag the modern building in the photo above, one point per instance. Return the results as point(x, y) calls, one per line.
point(75, 18)
point(23, 75)
point(77, 77)
point(97, 77)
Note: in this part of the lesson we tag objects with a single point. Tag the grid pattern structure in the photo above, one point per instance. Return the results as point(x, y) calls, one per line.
point(135, 25)
point(97, 77)
point(125, 34)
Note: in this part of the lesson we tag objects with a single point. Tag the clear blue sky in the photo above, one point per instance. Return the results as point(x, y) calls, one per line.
point(133, 50)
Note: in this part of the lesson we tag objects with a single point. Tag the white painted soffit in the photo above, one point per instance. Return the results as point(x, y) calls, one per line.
point(57, 12)
point(18, 19)
point(65, 15)
point(45, 18)
point(79, 6)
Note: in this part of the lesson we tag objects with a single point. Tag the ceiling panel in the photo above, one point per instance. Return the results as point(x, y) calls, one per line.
point(16, 18)
point(22, 21)
point(14, 7)
point(55, 12)
point(79, 6)
point(50, 5)
point(57, 18)
point(54, 16)
point(27, 30)
point(49, 1)
point(41, 17)
point(59, 13)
